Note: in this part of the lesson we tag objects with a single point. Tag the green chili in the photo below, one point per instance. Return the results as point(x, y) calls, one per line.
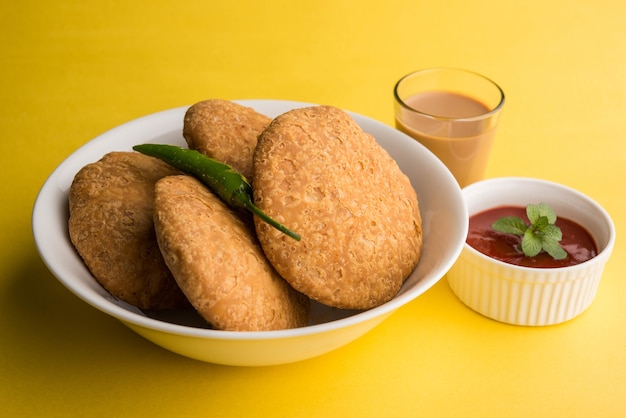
point(227, 183)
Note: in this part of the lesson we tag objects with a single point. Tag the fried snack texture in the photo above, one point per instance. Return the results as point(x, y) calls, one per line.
point(218, 262)
point(110, 225)
point(319, 174)
point(225, 131)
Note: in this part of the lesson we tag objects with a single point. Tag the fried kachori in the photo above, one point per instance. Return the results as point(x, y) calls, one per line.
point(319, 174)
point(225, 131)
point(218, 262)
point(110, 225)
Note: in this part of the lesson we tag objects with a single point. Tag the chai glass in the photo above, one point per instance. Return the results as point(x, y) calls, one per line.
point(454, 113)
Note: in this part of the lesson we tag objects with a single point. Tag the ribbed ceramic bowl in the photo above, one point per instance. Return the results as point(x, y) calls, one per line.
point(445, 225)
point(523, 295)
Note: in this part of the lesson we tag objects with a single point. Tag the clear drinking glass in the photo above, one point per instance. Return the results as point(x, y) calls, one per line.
point(452, 112)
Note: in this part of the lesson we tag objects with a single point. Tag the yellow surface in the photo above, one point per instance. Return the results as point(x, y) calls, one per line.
point(73, 69)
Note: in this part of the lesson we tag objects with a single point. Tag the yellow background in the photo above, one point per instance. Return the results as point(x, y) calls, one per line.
point(70, 70)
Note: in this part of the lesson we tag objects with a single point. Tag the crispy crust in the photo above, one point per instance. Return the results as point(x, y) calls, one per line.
point(225, 131)
point(322, 176)
point(218, 262)
point(110, 225)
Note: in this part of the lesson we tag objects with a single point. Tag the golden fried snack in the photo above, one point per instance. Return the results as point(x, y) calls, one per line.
point(225, 131)
point(219, 264)
point(110, 225)
point(320, 175)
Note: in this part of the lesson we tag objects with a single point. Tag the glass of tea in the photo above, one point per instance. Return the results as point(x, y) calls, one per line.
point(452, 112)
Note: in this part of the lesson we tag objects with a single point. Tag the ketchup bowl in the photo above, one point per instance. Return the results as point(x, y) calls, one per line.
point(523, 295)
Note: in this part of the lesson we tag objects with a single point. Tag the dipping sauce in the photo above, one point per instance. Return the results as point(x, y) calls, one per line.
point(577, 241)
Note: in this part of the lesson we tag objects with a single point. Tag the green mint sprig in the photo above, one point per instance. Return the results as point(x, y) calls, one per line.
point(541, 234)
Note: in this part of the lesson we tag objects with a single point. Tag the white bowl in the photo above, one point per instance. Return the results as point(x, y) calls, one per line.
point(445, 224)
point(523, 295)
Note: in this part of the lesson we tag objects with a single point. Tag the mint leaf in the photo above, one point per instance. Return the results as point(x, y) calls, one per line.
point(541, 235)
point(540, 224)
point(510, 225)
point(535, 212)
point(545, 210)
point(532, 211)
point(553, 248)
point(552, 232)
point(531, 243)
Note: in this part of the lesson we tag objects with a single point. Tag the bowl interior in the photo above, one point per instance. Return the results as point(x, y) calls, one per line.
point(566, 202)
point(444, 214)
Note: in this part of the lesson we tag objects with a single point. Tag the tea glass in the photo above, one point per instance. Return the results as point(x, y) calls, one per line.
point(454, 113)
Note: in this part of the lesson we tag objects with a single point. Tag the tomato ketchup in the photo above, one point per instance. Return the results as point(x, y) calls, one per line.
point(577, 241)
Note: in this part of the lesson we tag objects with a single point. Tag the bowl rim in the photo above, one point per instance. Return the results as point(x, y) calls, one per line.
point(602, 255)
point(130, 315)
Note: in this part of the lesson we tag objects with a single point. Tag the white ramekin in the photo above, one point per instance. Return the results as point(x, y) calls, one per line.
point(523, 295)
